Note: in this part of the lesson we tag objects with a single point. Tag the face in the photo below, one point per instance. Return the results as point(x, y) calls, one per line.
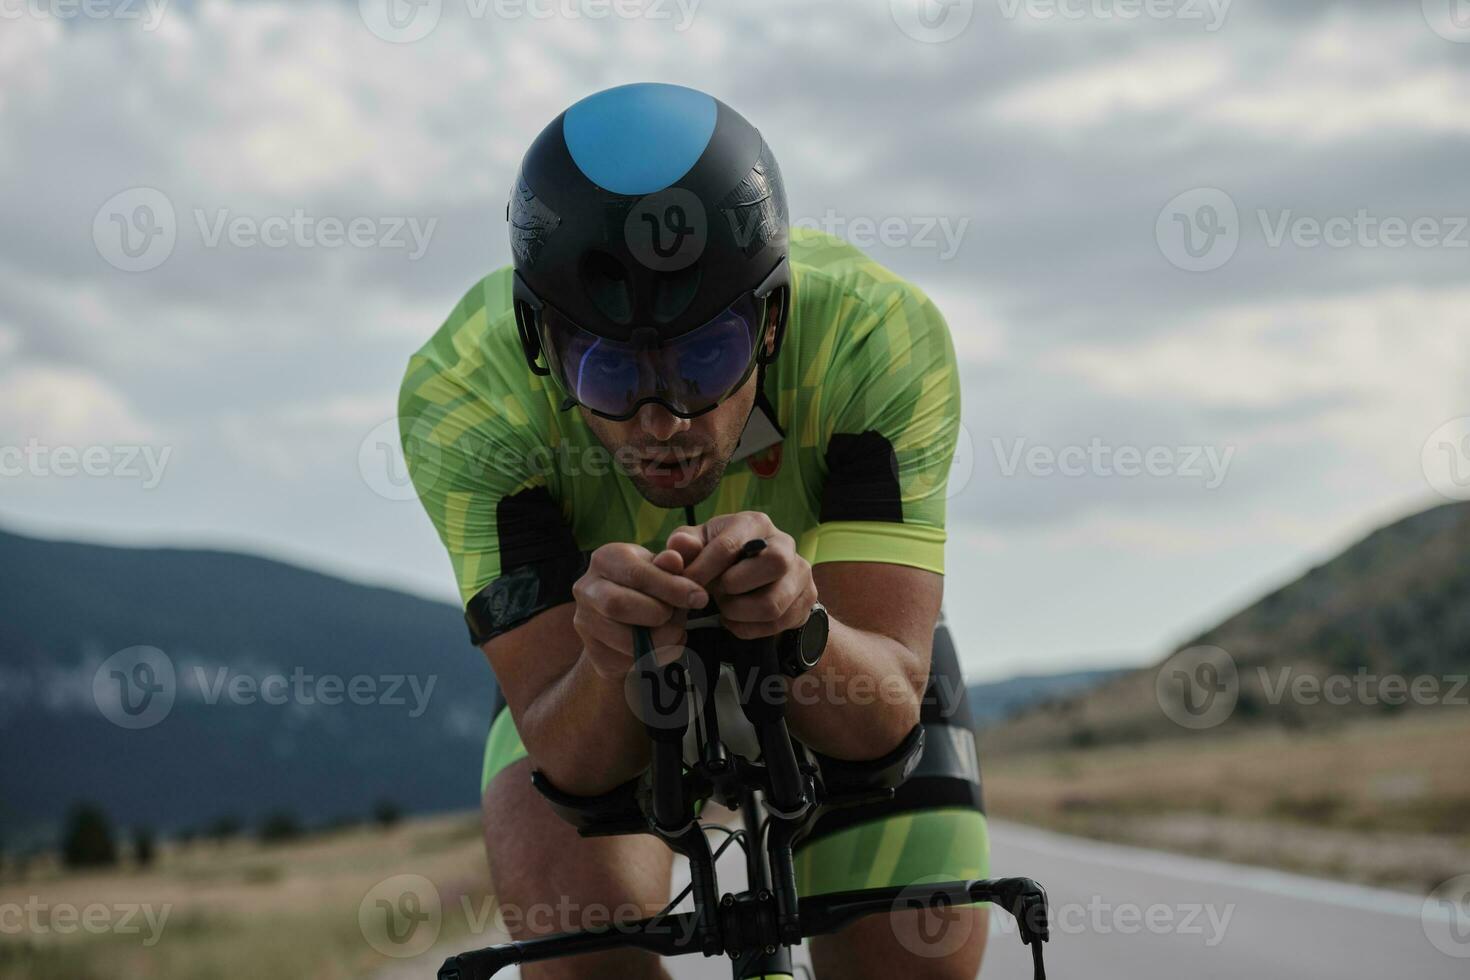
point(677, 462)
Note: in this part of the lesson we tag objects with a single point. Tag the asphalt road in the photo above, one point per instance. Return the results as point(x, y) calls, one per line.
point(1124, 913)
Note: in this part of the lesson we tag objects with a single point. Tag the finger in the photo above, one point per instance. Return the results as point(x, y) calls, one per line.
point(655, 582)
point(723, 541)
point(688, 542)
point(668, 643)
point(595, 628)
point(625, 606)
point(771, 565)
point(766, 605)
point(669, 560)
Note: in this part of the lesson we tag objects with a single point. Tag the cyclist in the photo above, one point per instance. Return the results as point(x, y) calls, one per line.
point(666, 371)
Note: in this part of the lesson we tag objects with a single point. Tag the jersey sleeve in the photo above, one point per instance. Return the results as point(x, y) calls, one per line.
point(890, 412)
point(472, 456)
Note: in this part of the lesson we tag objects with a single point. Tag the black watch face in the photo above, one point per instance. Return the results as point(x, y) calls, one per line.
point(814, 638)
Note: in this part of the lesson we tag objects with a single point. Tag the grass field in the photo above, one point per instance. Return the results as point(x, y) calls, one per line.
point(1381, 800)
point(237, 910)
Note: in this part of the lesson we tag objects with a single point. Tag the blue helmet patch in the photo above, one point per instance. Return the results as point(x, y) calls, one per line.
point(640, 138)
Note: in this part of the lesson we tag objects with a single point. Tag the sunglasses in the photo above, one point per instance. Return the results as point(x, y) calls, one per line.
point(688, 375)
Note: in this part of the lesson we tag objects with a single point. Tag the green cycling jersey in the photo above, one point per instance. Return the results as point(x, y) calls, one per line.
point(848, 449)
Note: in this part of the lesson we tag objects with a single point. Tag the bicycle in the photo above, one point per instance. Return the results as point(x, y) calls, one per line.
point(756, 927)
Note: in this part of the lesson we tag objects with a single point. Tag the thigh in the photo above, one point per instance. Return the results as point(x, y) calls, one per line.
point(932, 830)
point(547, 879)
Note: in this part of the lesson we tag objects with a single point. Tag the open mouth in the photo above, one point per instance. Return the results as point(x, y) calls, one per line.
point(671, 469)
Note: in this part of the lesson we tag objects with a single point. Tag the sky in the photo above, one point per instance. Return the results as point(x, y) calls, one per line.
point(1204, 263)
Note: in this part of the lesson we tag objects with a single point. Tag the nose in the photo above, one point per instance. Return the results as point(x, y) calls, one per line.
point(660, 423)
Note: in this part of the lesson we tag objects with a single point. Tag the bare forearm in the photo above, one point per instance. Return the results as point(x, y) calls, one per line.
point(861, 699)
point(582, 734)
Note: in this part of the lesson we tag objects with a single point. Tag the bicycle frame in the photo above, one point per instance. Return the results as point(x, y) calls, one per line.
point(756, 927)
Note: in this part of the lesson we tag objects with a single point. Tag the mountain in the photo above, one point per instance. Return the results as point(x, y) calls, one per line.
point(992, 702)
point(1330, 645)
point(290, 690)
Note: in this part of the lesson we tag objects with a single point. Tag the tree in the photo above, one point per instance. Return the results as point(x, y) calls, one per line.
point(279, 826)
point(87, 840)
point(386, 813)
point(143, 846)
point(224, 828)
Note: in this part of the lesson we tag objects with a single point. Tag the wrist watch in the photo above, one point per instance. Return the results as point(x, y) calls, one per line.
point(801, 648)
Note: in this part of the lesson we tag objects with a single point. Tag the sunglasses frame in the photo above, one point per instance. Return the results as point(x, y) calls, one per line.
point(535, 344)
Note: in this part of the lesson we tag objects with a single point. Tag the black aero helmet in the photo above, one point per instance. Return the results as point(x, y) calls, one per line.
point(648, 223)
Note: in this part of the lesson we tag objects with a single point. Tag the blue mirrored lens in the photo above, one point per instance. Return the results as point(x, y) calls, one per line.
point(689, 374)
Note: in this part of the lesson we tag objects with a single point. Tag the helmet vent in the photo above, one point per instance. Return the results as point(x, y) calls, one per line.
point(674, 293)
point(608, 286)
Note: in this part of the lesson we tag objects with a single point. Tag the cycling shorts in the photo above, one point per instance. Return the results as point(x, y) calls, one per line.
point(932, 830)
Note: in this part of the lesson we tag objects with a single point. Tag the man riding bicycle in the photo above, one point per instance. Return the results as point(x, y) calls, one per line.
point(666, 372)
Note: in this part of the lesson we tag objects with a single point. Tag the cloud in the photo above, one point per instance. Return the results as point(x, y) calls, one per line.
point(1055, 144)
point(66, 407)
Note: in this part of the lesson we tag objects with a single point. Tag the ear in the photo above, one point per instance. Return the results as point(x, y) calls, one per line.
point(777, 311)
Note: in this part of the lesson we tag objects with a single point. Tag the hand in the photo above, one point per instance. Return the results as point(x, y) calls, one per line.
point(626, 586)
point(761, 596)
